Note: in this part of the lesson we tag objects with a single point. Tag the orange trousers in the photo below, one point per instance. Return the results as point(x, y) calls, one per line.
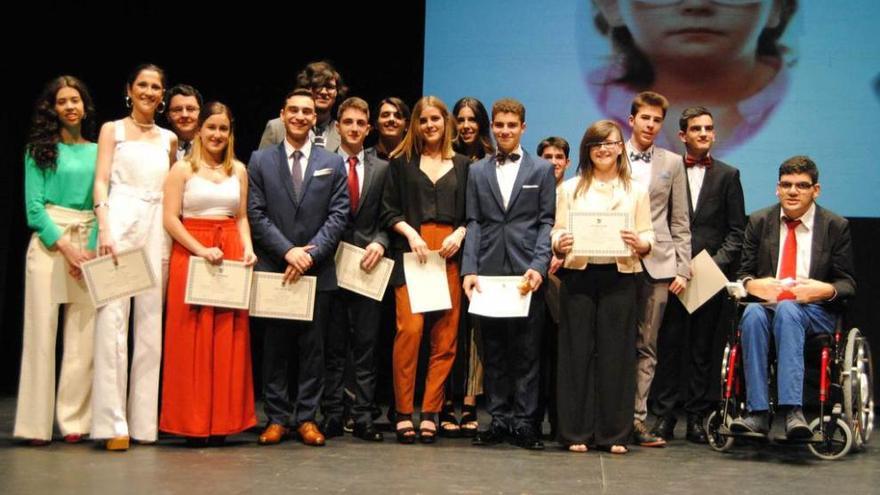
point(207, 382)
point(408, 339)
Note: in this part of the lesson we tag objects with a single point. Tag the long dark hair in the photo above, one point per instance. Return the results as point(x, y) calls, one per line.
point(483, 145)
point(42, 144)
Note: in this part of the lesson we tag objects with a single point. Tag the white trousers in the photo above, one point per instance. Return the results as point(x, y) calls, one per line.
point(135, 219)
point(46, 287)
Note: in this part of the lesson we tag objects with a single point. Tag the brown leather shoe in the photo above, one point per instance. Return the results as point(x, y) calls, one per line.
point(310, 434)
point(117, 444)
point(273, 434)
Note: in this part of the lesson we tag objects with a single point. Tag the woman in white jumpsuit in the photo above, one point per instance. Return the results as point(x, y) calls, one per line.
point(134, 156)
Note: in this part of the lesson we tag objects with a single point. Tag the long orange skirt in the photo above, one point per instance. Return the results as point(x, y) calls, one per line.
point(207, 382)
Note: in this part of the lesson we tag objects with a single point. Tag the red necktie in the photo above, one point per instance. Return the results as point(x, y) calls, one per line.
point(353, 183)
point(690, 161)
point(788, 267)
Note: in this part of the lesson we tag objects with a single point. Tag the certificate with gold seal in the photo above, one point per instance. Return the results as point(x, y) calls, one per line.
point(273, 299)
point(108, 281)
point(227, 285)
point(597, 233)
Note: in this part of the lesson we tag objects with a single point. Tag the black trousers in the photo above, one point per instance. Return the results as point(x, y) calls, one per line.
point(686, 342)
point(597, 356)
point(511, 365)
point(282, 338)
point(353, 330)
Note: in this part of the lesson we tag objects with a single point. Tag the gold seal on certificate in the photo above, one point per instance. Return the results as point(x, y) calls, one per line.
point(227, 285)
point(272, 299)
point(597, 233)
point(129, 276)
point(349, 274)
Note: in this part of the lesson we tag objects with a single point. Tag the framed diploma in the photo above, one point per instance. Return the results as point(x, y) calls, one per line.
point(107, 281)
point(227, 285)
point(272, 299)
point(349, 274)
point(597, 233)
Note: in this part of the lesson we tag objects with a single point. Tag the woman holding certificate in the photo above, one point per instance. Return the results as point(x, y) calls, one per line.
point(134, 155)
point(597, 328)
point(59, 172)
point(207, 390)
point(423, 204)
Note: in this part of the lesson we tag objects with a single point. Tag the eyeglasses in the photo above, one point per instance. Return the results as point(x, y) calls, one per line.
point(330, 87)
point(800, 186)
point(606, 144)
point(188, 108)
point(717, 2)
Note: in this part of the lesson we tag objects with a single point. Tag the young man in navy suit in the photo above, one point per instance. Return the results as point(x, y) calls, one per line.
point(511, 207)
point(354, 320)
point(298, 208)
point(799, 256)
point(717, 217)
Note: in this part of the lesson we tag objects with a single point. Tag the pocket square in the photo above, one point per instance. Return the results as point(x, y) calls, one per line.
point(530, 186)
point(323, 171)
point(665, 175)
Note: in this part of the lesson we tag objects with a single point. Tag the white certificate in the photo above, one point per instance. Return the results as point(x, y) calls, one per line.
point(132, 274)
point(271, 299)
point(706, 280)
point(426, 283)
point(499, 297)
point(227, 285)
point(349, 274)
point(597, 233)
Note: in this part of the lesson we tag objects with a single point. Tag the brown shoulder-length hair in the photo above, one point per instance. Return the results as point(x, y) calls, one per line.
point(413, 142)
point(45, 133)
point(198, 153)
point(595, 134)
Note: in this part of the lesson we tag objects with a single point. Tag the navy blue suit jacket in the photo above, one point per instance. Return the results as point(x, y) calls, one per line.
point(521, 233)
point(280, 220)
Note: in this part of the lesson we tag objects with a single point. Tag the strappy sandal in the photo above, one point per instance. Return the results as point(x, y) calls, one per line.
point(468, 423)
point(616, 449)
point(405, 434)
point(448, 423)
point(427, 435)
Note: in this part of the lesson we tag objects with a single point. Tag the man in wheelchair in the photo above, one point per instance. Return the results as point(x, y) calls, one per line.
point(796, 257)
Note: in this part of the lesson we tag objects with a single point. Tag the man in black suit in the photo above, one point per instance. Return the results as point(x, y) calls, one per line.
point(717, 217)
point(354, 319)
point(799, 256)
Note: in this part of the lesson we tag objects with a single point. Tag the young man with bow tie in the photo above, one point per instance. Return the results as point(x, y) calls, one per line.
point(717, 216)
point(511, 207)
point(667, 269)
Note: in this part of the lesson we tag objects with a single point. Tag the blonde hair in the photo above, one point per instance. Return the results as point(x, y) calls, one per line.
point(413, 142)
point(197, 156)
point(595, 134)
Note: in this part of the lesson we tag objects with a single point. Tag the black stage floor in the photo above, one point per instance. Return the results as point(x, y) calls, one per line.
point(349, 465)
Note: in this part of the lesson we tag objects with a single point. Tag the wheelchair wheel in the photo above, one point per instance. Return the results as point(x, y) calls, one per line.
point(858, 387)
point(717, 441)
point(837, 441)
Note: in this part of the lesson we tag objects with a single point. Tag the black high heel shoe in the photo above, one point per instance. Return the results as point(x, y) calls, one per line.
point(427, 435)
point(449, 427)
point(468, 425)
point(405, 434)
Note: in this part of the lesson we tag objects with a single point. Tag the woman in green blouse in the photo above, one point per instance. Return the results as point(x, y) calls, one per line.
point(59, 174)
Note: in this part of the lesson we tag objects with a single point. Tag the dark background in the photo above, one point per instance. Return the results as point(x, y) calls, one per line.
point(247, 58)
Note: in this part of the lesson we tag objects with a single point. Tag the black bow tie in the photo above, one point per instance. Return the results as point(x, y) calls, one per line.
point(500, 157)
point(184, 145)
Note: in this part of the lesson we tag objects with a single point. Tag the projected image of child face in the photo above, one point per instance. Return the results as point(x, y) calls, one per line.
point(672, 30)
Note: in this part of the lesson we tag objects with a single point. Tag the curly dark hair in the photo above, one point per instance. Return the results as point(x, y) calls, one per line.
point(45, 127)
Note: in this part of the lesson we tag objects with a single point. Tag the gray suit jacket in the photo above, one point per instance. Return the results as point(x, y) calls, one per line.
point(364, 226)
point(274, 134)
point(671, 254)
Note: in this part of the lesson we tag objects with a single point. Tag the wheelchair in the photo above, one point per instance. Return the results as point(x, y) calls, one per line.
point(845, 391)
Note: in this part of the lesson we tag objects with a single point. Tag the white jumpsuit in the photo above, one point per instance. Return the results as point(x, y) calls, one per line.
point(135, 219)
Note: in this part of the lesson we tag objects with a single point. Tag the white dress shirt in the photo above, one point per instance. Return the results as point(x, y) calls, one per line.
point(696, 174)
point(640, 170)
point(303, 162)
point(804, 235)
point(359, 168)
point(506, 174)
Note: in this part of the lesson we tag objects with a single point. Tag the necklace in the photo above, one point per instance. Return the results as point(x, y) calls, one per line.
point(145, 127)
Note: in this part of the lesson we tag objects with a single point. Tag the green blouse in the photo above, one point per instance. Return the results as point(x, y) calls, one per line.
point(68, 185)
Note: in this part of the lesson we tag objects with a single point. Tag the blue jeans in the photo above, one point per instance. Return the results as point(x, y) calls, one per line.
point(790, 323)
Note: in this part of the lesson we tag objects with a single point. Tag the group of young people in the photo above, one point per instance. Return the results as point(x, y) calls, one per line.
point(455, 182)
